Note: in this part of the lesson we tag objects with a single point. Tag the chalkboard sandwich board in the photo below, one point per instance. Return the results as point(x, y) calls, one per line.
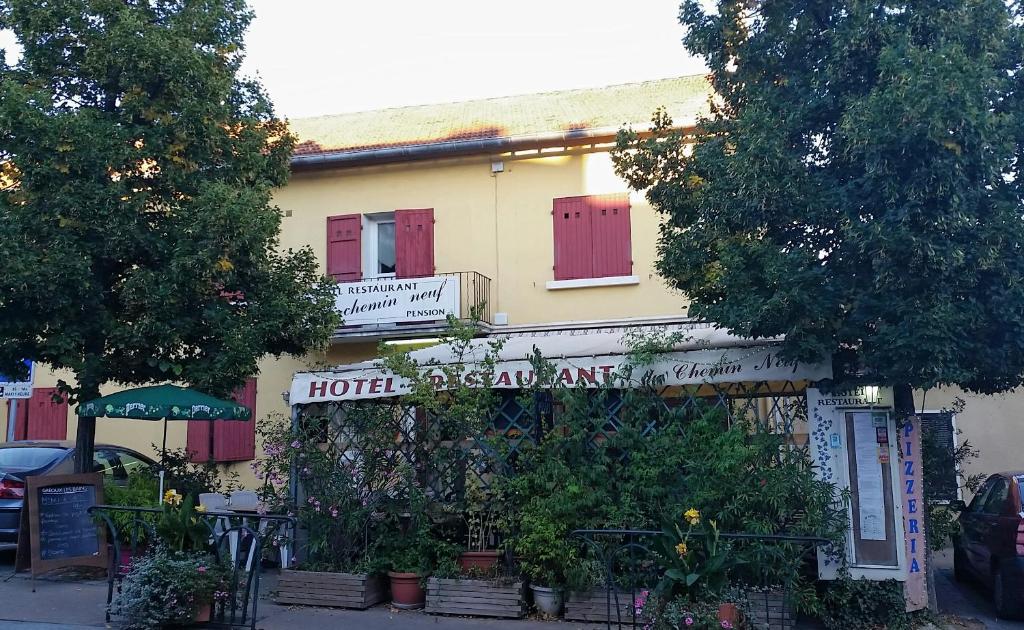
point(61, 532)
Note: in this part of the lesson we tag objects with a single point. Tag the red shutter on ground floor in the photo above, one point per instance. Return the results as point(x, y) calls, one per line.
point(613, 253)
point(40, 418)
point(574, 254)
point(414, 243)
point(344, 247)
point(233, 440)
point(197, 443)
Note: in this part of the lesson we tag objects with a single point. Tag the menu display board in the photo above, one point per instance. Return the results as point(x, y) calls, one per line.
point(61, 532)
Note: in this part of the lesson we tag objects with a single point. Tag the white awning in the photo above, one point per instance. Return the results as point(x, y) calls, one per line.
point(591, 357)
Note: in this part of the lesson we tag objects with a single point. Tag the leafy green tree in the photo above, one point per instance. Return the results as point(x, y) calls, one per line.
point(139, 241)
point(856, 186)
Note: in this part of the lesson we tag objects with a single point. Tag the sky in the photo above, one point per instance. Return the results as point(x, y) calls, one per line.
point(331, 56)
point(320, 57)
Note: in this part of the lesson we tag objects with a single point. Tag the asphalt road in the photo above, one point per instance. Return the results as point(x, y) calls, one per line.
point(970, 602)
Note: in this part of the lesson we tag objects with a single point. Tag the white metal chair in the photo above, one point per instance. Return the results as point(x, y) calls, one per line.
point(216, 502)
point(248, 502)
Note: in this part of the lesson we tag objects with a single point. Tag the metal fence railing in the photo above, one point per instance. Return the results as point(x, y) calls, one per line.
point(629, 569)
point(232, 542)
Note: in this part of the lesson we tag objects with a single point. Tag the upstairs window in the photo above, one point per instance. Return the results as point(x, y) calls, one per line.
point(592, 237)
point(382, 245)
point(383, 255)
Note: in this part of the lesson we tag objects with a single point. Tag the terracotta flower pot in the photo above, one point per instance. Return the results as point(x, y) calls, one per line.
point(729, 613)
point(203, 613)
point(480, 560)
point(406, 592)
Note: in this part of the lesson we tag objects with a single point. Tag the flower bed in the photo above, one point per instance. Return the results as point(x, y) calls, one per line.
point(477, 598)
point(342, 590)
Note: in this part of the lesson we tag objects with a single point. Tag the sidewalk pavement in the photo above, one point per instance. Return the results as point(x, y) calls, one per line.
point(62, 603)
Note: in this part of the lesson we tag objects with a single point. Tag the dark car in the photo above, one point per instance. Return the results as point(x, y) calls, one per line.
point(990, 546)
point(38, 457)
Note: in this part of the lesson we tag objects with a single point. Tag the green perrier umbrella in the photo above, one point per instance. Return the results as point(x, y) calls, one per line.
point(164, 402)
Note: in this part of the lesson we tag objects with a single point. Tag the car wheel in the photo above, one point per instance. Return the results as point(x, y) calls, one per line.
point(960, 570)
point(1007, 603)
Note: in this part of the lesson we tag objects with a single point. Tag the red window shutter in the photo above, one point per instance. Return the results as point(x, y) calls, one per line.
point(613, 252)
point(234, 440)
point(414, 243)
point(574, 252)
point(40, 418)
point(344, 247)
point(197, 442)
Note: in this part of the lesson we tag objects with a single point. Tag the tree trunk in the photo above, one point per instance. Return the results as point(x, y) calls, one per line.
point(85, 438)
point(85, 444)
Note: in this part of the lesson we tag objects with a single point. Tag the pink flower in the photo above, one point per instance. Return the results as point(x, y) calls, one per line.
point(726, 624)
point(201, 569)
point(688, 621)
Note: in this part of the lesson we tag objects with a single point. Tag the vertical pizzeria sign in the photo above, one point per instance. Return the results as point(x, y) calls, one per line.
point(911, 489)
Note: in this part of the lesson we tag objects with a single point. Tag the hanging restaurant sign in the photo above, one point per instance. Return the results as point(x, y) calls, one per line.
point(732, 365)
point(392, 300)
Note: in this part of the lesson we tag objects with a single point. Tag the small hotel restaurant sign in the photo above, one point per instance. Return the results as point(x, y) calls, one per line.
point(392, 300)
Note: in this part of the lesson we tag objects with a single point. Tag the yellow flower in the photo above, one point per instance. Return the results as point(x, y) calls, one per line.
point(692, 516)
point(201, 509)
point(681, 549)
point(171, 497)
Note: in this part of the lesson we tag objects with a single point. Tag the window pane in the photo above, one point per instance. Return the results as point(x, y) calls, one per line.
point(995, 502)
point(386, 247)
point(22, 459)
point(132, 464)
point(979, 499)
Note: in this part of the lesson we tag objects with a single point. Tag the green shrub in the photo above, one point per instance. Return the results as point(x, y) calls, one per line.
point(141, 490)
point(868, 604)
point(166, 588)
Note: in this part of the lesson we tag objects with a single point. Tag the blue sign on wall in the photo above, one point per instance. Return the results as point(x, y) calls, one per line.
point(18, 389)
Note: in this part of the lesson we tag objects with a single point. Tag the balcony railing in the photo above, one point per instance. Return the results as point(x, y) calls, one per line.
point(399, 305)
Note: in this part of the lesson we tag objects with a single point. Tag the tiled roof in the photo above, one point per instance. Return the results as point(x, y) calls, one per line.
point(505, 117)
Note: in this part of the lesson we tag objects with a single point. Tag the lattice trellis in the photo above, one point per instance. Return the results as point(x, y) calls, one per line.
point(441, 463)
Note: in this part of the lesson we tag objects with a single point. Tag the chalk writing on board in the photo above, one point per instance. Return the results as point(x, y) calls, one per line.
point(65, 528)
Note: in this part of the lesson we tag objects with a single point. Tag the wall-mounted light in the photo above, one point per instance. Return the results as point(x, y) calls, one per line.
point(871, 394)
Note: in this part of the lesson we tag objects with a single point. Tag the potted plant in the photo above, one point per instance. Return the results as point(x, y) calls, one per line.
point(334, 514)
point(545, 552)
point(133, 533)
point(484, 512)
point(167, 587)
point(410, 551)
point(476, 592)
point(696, 560)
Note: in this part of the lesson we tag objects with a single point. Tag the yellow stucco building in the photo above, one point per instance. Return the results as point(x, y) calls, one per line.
point(511, 202)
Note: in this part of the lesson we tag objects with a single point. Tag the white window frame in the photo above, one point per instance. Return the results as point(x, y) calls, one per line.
point(370, 223)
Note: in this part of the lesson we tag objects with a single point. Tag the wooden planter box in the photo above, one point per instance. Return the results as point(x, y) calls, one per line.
point(592, 606)
point(475, 598)
point(342, 590)
point(770, 611)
